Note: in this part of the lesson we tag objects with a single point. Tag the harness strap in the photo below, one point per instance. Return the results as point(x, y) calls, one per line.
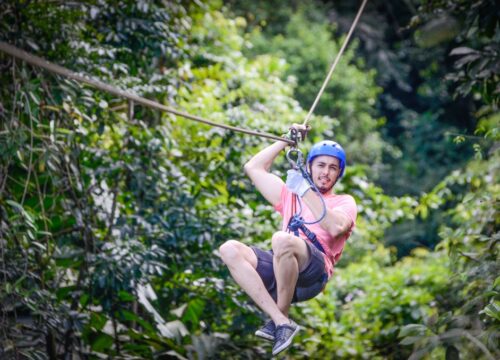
point(297, 223)
point(312, 237)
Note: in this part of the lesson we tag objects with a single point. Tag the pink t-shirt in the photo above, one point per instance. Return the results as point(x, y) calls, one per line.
point(333, 247)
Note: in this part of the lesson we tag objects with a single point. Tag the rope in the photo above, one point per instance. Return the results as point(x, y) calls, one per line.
point(315, 189)
point(334, 65)
point(297, 222)
point(297, 164)
point(38, 61)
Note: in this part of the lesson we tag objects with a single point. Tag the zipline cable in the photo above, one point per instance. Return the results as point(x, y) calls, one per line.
point(57, 69)
point(337, 58)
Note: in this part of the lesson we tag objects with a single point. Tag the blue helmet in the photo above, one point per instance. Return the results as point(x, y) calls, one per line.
point(330, 148)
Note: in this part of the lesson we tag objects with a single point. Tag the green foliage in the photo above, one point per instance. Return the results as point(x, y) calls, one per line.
point(309, 49)
point(468, 322)
point(110, 214)
point(368, 302)
point(95, 202)
point(477, 56)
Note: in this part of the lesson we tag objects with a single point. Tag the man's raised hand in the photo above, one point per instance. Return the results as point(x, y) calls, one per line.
point(296, 183)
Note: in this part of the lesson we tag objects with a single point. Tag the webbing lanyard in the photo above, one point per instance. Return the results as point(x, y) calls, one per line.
point(296, 223)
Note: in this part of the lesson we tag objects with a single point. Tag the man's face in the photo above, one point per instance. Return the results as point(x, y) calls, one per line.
point(324, 171)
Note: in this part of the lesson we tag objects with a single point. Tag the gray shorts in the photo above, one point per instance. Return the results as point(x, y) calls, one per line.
point(311, 280)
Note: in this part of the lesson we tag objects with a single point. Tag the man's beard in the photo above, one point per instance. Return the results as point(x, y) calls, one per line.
point(323, 189)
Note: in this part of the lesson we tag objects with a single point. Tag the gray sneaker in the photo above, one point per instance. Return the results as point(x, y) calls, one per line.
point(267, 331)
point(283, 336)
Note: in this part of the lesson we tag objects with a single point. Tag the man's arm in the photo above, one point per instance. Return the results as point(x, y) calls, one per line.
point(335, 222)
point(257, 169)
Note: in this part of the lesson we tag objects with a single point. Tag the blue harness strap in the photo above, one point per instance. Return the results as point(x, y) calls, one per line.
point(297, 223)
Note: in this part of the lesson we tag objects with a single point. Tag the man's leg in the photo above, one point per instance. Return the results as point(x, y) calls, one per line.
point(291, 255)
point(242, 263)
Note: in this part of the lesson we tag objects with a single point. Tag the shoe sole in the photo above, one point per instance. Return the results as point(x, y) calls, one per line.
point(264, 335)
point(288, 343)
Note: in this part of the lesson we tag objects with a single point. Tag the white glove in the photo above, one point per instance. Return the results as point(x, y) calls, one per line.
point(296, 183)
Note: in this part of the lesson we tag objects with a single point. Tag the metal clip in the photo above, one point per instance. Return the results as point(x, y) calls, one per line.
point(294, 136)
point(297, 162)
point(297, 135)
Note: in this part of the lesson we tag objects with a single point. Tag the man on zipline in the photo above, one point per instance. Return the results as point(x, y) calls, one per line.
point(296, 269)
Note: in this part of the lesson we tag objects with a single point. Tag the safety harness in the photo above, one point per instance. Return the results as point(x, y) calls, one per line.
point(297, 222)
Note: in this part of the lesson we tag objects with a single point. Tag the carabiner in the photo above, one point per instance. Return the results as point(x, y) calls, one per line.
point(297, 163)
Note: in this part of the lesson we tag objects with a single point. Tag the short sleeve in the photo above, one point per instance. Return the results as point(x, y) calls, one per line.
point(348, 206)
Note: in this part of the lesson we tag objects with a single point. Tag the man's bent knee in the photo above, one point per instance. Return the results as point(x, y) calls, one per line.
point(229, 251)
point(283, 243)
point(234, 252)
